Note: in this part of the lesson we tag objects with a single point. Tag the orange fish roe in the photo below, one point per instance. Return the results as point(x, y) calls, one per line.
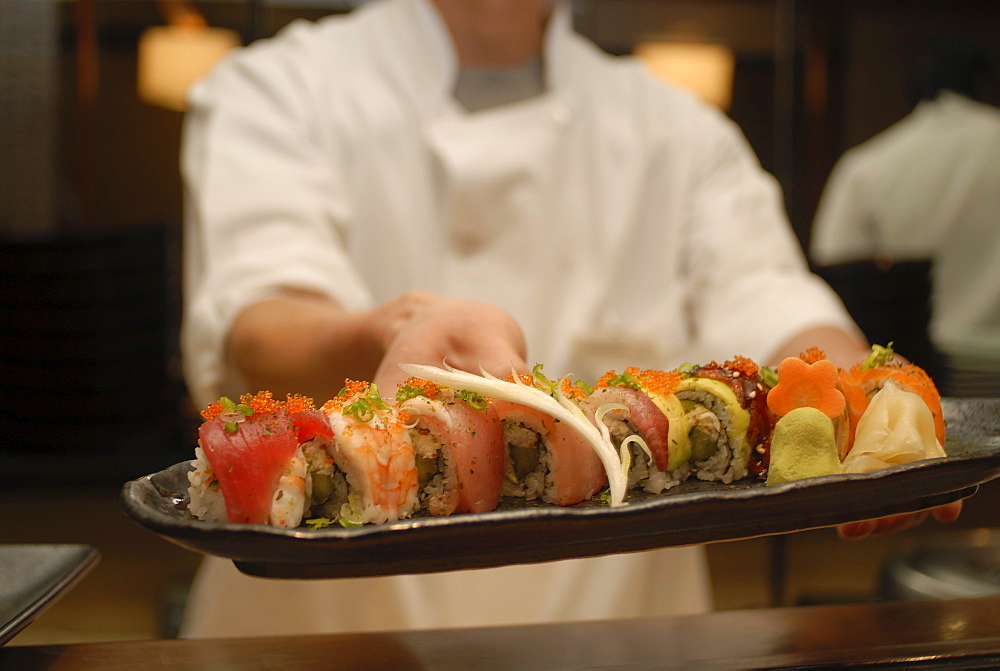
point(570, 390)
point(812, 355)
point(262, 402)
point(746, 366)
point(351, 389)
point(651, 380)
point(606, 379)
point(212, 411)
point(659, 381)
point(428, 389)
point(299, 403)
point(526, 378)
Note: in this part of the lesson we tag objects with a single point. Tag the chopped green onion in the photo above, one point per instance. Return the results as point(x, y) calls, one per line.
point(476, 401)
point(361, 410)
point(625, 380)
point(319, 522)
point(408, 391)
point(880, 356)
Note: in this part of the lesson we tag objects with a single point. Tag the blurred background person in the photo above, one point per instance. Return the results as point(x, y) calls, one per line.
point(916, 209)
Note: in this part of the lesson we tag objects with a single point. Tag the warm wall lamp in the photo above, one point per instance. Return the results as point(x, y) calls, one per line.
point(706, 69)
point(174, 56)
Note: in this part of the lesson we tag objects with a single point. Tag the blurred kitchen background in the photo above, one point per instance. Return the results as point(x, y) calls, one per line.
point(90, 209)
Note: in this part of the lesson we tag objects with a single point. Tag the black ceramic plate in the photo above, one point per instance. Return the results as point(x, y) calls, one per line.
point(693, 512)
point(33, 577)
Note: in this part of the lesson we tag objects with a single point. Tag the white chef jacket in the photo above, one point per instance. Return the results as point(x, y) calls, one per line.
point(927, 188)
point(619, 220)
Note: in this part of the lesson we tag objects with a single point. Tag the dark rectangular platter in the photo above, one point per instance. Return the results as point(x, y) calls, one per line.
point(518, 532)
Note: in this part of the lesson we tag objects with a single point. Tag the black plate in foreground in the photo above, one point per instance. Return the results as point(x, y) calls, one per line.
point(33, 577)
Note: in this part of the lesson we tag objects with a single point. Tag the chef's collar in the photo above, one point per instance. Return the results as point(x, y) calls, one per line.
point(441, 51)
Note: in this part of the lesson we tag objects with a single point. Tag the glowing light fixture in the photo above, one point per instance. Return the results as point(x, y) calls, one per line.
point(705, 69)
point(174, 56)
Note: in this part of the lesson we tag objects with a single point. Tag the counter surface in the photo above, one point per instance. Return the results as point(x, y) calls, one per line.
point(920, 634)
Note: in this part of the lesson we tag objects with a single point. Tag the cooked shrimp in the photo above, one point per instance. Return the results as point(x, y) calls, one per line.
point(289, 502)
point(378, 459)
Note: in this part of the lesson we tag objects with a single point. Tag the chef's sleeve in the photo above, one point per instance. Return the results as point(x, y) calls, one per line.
point(265, 205)
point(750, 286)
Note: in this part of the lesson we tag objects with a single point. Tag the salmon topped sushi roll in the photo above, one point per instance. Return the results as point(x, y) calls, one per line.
point(553, 452)
point(458, 446)
point(545, 458)
point(864, 380)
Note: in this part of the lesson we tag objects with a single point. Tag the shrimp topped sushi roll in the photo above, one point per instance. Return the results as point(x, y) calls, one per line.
point(643, 414)
point(458, 444)
point(726, 407)
point(374, 475)
point(249, 467)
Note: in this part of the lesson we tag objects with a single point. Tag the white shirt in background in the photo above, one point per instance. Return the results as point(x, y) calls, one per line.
point(927, 188)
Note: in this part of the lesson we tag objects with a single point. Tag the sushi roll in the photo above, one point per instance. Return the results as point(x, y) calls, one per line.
point(730, 424)
point(897, 428)
point(545, 458)
point(864, 380)
point(374, 474)
point(458, 447)
point(553, 452)
point(249, 466)
point(643, 415)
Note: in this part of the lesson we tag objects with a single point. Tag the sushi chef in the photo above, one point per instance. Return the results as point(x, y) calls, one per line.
point(471, 179)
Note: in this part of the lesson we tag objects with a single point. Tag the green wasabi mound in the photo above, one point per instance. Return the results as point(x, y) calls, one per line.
point(803, 446)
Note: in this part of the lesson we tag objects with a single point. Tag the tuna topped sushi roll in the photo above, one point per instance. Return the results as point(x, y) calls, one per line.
point(458, 445)
point(643, 415)
point(374, 474)
point(249, 467)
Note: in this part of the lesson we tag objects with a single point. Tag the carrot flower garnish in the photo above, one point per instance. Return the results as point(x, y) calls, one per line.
point(802, 384)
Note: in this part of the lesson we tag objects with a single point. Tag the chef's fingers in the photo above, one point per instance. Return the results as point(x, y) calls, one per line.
point(948, 512)
point(880, 526)
point(436, 330)
point(893, 523)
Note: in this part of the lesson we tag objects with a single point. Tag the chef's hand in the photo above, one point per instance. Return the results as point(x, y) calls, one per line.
point(424, 328)
point(893, 523)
